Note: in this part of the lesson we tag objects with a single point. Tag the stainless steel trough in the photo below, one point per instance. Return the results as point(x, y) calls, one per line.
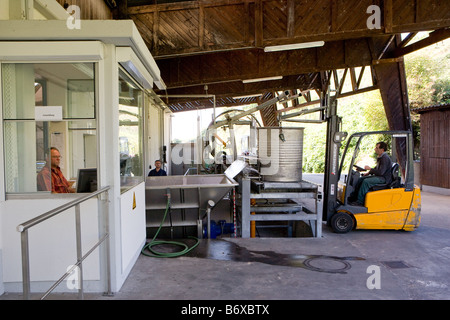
point(189, 196)
point(186, 192)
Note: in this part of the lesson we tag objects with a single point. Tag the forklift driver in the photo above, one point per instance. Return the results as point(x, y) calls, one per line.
point(378, 175)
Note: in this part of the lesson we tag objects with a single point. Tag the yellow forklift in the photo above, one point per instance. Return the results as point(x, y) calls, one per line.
point(387, 206)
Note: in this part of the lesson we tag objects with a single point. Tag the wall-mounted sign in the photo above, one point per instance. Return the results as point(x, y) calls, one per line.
point(48, 113)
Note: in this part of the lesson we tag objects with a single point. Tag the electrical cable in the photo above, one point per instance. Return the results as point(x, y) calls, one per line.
point(156, 254)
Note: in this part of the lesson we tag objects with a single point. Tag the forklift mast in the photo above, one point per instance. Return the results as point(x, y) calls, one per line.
point(333, 144)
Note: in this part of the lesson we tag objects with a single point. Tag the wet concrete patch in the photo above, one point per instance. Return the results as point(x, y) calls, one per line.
point(218, 249)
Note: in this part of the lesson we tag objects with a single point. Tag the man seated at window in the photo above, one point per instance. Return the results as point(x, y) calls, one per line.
point(157, 171)
point(51, 178)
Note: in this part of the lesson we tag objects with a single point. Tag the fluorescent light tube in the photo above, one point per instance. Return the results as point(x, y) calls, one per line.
point(294, 46)
point(262, 79)
point(248, 96)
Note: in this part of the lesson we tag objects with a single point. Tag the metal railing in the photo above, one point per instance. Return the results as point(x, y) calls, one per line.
point(23, 229)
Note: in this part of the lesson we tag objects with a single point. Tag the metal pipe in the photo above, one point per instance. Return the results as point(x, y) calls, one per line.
point(304, 120)
point(245, 208)
point(25, 265)
point(234, 213)
point(214, 109)
point(291, 115)
point(107, 250)
point(208, 214)
point(79, 250)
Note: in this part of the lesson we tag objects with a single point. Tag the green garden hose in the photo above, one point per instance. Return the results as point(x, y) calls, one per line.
point(155, 254)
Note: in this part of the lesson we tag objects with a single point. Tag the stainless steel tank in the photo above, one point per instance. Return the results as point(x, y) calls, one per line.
point(280, 152)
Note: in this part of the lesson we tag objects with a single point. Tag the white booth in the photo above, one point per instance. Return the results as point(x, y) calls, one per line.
point(87, 92)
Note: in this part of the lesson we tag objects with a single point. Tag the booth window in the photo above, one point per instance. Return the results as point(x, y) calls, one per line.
point(47, 105)
point(131, 102)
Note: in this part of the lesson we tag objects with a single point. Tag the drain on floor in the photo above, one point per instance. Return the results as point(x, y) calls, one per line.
point(395, 264)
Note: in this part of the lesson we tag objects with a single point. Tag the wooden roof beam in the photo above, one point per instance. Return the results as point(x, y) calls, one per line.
point(252, 64)
point(433, 37)
point(219, 25)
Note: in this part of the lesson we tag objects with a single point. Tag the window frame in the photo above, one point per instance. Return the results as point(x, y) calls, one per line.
point(68, 120)
point(55, 52)
point(121, 68)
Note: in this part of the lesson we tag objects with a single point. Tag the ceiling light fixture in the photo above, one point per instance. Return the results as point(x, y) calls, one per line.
point(294, 46)
point(248, 96)
point(262, 79)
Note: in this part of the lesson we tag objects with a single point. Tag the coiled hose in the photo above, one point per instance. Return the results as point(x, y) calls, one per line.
point(147, 250)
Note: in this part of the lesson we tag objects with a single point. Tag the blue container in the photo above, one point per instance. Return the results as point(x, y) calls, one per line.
point(222, 227)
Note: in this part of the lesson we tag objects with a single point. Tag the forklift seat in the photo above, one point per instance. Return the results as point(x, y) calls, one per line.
point(395, 183)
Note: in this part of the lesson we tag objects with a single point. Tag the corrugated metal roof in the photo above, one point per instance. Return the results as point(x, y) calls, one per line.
point(431, 108)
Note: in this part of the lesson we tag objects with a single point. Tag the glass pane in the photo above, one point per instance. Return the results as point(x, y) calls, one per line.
point(20, 156)
point(18, 88)
point(26, 154)
point(130, 132)
point(83, 141)
point(69, 85)
point(81, 96)
point(29, 144)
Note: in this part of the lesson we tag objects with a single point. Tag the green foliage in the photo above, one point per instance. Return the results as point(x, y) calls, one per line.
point(427, 72)
point(314, 147)
point(441, 93)
point(363, 112)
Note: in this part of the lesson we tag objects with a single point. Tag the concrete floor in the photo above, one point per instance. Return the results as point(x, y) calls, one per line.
point(411, 265)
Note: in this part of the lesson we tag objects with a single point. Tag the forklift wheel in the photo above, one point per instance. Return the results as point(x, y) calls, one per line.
point(342, 222)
